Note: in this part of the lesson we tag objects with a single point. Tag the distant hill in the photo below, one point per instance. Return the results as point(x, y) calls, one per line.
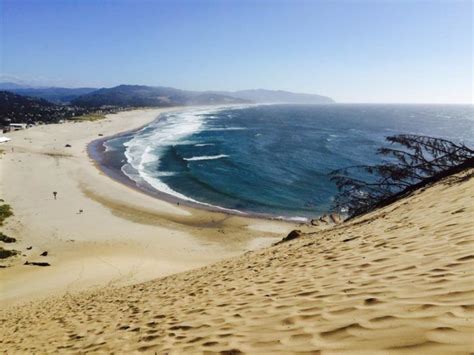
point(279, 96)
point(214, 99)
point(21, 109)
point(148, 96)
point(151, 96)
point(56, 95)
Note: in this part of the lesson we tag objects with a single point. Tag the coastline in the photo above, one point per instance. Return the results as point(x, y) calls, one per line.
point(123, 236)
point(95, 152)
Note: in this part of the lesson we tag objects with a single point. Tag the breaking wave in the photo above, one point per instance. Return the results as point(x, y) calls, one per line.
point(208, 157)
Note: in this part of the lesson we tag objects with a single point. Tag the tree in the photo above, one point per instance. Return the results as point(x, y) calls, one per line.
point(416, 161)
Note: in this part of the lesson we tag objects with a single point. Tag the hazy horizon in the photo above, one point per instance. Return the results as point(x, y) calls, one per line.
point(351, 51)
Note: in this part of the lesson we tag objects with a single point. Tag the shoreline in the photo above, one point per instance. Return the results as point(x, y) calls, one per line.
point(95, 150)
point(123, 236)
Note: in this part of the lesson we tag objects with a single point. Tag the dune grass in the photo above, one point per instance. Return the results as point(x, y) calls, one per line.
point(5, 212)
point(90, 117)
point(6, 239)
point(7, 253)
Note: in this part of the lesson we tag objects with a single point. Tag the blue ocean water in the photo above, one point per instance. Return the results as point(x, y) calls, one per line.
point(272, 159)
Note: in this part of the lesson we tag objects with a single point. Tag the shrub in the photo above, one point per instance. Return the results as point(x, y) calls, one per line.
point(5, 212)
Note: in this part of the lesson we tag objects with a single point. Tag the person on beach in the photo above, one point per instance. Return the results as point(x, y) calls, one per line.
point(55, 194)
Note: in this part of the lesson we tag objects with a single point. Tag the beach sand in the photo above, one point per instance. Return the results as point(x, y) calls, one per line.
point(398, 280)
point(123, 236)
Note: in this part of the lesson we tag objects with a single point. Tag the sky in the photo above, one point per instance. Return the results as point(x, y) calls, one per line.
point(351, 50)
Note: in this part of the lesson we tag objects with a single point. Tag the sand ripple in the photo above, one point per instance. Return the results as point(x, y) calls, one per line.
point(399, 279)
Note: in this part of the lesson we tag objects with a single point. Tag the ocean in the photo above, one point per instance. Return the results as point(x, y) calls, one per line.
point(269, 160)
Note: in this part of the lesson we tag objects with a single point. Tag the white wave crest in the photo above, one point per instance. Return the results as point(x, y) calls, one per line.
point(144, 150)
point(295, 219)
point(109, 145)
point(207, 157)
point(226, 129)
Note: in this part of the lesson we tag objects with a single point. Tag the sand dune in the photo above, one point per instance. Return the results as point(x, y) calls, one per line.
point(400, 279)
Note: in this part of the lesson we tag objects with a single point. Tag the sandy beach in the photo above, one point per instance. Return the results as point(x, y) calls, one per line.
point(122, 237)
point(236, 177)
point(133, 273)
point(398, 280)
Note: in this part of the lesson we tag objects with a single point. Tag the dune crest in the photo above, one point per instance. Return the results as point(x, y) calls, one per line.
point(400, 279)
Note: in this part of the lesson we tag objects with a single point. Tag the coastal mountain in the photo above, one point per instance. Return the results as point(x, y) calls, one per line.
point(139, 96)
point(58, 95)
point(279, 96)
point(149, 96)
point(152, 96)
point(53, 94)
point(23, 104)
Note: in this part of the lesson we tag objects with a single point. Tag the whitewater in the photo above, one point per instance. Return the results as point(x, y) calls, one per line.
point(270, 160)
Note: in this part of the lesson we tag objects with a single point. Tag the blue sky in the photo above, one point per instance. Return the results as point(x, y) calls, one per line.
point(353, 51)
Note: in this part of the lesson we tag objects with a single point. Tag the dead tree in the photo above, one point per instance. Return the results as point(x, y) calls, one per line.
point(416, 161)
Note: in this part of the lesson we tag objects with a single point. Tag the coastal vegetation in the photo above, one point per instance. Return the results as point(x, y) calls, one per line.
point(89, 117)
point(417, 161)
point(5, 212)
point(31, 110)
point(6, 239)
point(6, 253)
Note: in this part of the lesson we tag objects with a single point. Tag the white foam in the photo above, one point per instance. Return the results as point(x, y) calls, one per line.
point(203, 144)
point(109, 146)
point(144, 150)
point(299, 219)
point(296, 219)
point(207, 157)
point(226, 129)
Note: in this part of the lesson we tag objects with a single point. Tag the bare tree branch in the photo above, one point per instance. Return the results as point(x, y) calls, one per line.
point(420, 158)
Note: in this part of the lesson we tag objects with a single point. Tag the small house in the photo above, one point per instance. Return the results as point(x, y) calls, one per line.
point(17, 126)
